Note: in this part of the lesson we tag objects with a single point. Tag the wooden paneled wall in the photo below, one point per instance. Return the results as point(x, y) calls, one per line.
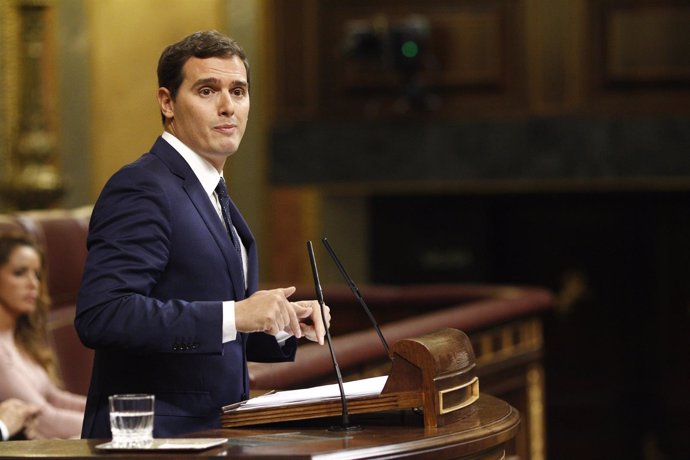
point(485, 57)
point(481, 59)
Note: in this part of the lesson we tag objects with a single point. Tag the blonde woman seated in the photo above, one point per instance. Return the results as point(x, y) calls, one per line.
point(27, 362)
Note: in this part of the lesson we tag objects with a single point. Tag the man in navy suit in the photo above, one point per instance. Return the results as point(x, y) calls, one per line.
point(169, 296)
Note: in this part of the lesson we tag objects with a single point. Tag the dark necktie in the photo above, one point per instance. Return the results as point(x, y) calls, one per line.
point(224, 199)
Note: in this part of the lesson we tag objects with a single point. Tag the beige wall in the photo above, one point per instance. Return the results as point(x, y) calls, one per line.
point(246, 23)
point(126, 38)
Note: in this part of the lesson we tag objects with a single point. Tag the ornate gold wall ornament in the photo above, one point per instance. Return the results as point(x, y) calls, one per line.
point(32, 180)
point(9, 76)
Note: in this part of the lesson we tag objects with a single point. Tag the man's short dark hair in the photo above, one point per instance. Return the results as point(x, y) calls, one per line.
point(204, 44)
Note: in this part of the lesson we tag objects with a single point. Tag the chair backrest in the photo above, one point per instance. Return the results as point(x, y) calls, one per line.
point(61, 233)
point(9, 224)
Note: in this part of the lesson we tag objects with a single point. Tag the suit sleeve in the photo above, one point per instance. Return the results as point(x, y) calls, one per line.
point(129, 249)
point(263, 348)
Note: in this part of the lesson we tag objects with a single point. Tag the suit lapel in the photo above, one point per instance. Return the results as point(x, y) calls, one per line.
point(208, 213)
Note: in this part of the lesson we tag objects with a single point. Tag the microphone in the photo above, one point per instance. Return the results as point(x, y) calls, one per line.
point(355, 291)
point(345, 424)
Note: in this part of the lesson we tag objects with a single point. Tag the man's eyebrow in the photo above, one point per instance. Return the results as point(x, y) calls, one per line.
point(216, 81)
point(206, 81)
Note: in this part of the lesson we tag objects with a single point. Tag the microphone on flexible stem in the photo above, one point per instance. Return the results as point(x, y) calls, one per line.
point(350, 282)
point(345, 424)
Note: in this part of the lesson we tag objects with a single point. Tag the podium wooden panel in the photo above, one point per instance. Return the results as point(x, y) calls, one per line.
point(481, 433)
point(503, 322)
point(430, 407)
point(434, 374)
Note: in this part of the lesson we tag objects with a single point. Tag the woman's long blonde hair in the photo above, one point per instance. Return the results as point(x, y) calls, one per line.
point(31, 330)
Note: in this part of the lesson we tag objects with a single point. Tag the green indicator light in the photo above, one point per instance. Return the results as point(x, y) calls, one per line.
point(409, 49)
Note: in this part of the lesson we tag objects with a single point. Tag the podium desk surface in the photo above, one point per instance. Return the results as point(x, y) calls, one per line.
point(481, 434)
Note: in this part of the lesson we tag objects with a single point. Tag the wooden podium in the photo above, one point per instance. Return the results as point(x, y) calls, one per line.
point(429, 407)
point(483, 433)
point(434, 374)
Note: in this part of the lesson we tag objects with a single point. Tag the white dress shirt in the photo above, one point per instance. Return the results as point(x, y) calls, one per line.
point(209, 176)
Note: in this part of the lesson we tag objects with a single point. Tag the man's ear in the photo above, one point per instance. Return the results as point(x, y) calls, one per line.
point(166, 103)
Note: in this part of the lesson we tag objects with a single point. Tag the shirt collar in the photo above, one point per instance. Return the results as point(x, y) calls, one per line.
point(204, 171)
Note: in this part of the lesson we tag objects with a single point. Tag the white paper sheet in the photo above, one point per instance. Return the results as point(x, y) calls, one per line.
point(353, 389)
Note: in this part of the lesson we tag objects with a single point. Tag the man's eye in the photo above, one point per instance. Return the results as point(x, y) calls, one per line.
point(239, 91)
point(205, 91)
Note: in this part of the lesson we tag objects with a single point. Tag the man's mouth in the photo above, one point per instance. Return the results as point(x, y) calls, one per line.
point(225, 128)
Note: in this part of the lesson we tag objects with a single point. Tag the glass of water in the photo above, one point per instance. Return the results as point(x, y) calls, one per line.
point(131, 420)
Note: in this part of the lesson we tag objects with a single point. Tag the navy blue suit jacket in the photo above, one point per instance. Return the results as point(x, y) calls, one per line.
point(160, 263)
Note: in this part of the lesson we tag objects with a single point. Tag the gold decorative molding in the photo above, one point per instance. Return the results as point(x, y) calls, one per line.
point(9, 78)
point(31, 178)
point(508, 341)
point(535, 407)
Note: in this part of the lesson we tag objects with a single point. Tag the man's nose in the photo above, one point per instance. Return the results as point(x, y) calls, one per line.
point(226, 105)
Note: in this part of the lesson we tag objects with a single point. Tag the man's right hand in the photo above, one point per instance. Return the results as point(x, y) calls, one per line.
point(270, 312)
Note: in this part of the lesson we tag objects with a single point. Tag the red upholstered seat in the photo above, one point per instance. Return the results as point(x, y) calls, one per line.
point(61, 233)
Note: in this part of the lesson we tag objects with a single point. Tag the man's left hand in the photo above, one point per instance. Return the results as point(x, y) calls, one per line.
point(311, 323)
